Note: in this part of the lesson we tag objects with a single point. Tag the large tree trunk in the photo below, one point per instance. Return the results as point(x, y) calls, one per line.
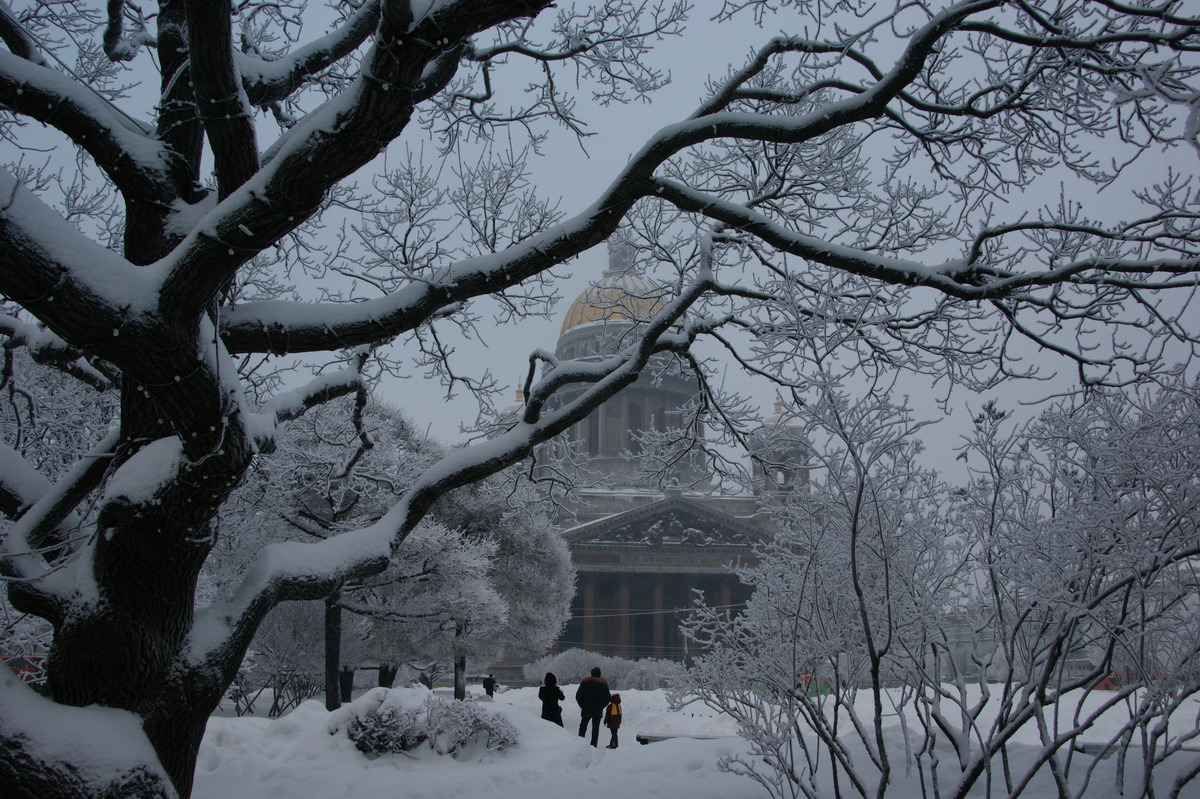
point(128, 647)
point(130, 660)
point(333, 650)
point(460, 676)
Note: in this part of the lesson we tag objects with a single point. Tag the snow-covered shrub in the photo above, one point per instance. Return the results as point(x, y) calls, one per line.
point(452, 725)
point(384, 721)
point(390, 730)
point(571, 666)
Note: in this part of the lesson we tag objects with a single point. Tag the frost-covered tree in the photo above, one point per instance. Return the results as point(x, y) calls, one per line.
point(857, 576)
point(337, 468)
point(440, 604)
point(491, 578)
point(853, 173)
point(900, 627)
point(484, 574)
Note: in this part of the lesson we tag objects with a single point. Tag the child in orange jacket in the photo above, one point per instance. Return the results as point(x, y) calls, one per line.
point(612, 718)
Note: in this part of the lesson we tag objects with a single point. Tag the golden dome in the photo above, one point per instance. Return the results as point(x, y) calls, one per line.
point(618, 296)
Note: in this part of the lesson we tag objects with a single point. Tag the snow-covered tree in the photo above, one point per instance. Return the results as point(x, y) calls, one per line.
point(853, 175)
point(483, 575)
point(901, 626)
point(491, 578)
point(856, 577)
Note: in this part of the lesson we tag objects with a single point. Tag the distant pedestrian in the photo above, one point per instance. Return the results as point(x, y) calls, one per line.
point(346, 682)
point(489, 685)
point(592, 697)
point(612, 718)
point(551, 695)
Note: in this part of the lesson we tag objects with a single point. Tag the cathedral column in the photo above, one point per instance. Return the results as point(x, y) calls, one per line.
point(589, 610)
point(623, 620)
point(659, 641)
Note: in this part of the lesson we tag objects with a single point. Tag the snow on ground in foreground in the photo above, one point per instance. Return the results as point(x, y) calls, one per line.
point(295, 757)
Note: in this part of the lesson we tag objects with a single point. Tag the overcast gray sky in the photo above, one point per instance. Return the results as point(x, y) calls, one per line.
point(577, 176)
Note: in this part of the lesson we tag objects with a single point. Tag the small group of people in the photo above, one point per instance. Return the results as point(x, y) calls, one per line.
point(595, 702)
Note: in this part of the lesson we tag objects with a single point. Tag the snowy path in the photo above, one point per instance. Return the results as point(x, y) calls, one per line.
point(296, 758)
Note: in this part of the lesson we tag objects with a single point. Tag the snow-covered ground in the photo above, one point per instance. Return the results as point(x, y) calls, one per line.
point(295, 757)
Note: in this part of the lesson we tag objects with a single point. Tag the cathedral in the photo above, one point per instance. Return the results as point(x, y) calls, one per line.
point(642, 547)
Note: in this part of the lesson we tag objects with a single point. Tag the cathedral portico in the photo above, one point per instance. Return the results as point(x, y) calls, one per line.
point(639, 570)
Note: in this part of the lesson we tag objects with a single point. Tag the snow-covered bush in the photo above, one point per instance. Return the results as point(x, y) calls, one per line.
point(387, 721)
point(389, 730)
point(571, 666)
point(452, 725)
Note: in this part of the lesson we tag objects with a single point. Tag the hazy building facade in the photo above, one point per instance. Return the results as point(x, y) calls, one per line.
point(643, 546)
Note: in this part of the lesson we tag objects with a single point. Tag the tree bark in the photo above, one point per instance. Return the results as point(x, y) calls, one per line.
point(460, 663)
point(460, 676)
point(333, 650)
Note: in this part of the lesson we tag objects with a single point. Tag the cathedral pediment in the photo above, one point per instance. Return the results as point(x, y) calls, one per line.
point(673, 523)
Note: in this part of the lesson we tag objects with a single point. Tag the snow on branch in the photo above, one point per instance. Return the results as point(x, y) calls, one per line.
point(125, 149)
point(118, 46)
point(64, 278)
point(47, 348)
point(293, 404)
point(18, 40)
point(273, 81)
point(36, 543)
point(88, 751)
point(280, 327)
point(154, 466)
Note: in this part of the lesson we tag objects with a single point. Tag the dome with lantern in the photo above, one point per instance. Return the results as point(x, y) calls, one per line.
point(642, 546)
point(600, 321)
point(614, 305)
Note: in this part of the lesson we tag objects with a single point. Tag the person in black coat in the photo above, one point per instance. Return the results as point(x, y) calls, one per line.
point(551, 695)
point(489, 685)
point(592, 697)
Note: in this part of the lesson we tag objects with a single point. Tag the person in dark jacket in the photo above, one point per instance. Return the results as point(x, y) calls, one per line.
point(592, 697)
point(612, 718)
point(489, 685)
point(551, 695)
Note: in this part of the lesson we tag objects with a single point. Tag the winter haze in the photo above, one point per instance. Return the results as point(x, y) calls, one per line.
point(272, 273)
